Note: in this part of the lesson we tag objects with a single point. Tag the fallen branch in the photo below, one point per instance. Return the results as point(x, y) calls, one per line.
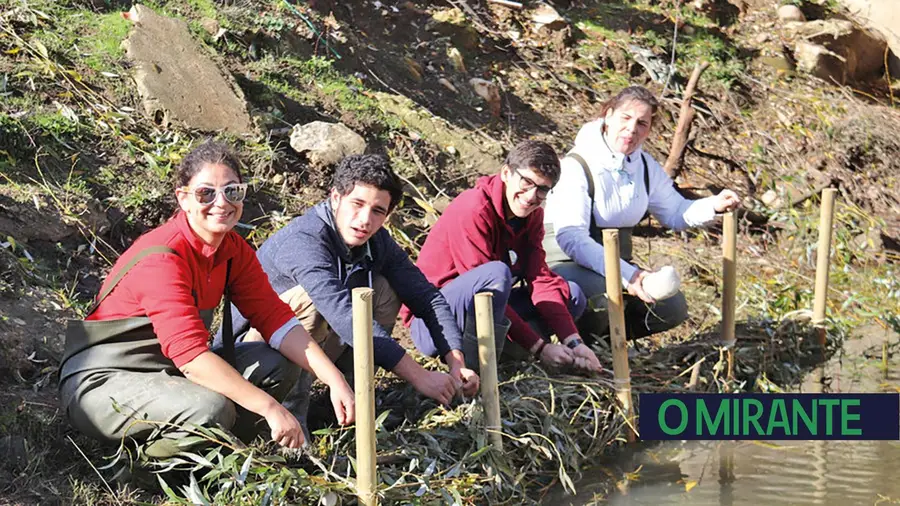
point(507, 3)
point(685, 117)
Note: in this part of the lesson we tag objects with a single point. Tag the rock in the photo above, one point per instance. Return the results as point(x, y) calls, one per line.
point(210, 25)
point(482, 157)
point(762, 38)
point(447, 84)
point(871, 241)
point(883, 17)
point(790, 12)
point(170, 67)
point(490, 92)
point(453, 23)
point(326, 143)
point(545, 16)
point(456, 59)
point(770, 198)
point(836, 49)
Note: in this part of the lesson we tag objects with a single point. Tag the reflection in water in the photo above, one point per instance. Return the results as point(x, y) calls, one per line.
point(726, 473)
point(750, 473)
point(754, 472)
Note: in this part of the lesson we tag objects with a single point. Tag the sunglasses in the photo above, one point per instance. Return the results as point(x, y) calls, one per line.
point(526, 184)
point(206, 195)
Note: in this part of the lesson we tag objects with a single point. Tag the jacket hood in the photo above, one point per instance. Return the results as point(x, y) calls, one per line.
point(493, 189)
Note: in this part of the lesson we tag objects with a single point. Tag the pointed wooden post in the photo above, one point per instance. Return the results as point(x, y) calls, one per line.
point(364, 386)
point(823, 258)
point(616, 309)
point(487, 358)
point(729, 285)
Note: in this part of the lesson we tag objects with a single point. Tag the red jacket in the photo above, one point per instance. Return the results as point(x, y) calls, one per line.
point(473, 231)
point(162, 287)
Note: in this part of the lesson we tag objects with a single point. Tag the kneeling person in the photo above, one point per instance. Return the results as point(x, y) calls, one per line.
point(489, 240)
point(318, 258)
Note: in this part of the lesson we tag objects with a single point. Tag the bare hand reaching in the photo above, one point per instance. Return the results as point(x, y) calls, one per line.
point(343, 401)
point(286, 429)
point(556, 355)
point(586, 359)
point(636, 288)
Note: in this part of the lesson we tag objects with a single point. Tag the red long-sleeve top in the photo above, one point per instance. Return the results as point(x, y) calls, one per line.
point(473, 231)
point(163, 287)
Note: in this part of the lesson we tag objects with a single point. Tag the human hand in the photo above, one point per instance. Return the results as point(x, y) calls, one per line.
point(586, 359)
point(636, 288)
point(286, 429)
point(343, 401)
point(727, 200)
point(556, 355)
point(467, 378)
point(436, 385)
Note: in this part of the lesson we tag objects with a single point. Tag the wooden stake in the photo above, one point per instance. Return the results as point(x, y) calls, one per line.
point(364, 386)
point(729, 285)
point(487, 358)
point(685, 118)
point(823, 254)
point(616, 308)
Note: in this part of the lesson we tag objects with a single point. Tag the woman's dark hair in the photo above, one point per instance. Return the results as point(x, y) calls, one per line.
point(638, 93)
point(209, 152)
point(536, 155)
point(372, 170)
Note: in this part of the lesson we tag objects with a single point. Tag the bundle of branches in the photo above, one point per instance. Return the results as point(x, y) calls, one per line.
point(553, 427)
point(769, 356)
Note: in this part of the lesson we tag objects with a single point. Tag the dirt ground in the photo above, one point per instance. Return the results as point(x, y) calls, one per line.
point(776, 137)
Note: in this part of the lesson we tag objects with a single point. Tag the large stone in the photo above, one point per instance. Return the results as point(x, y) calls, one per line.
point(836, 49)
point(883, 17)
point(178, 81)
point(789, 12)
point(326, 143)
point(453, 23)
point(544, 15)
point(490, 92)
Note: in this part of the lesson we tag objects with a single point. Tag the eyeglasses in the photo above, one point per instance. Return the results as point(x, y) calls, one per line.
point(206, 195)
point(526, 184)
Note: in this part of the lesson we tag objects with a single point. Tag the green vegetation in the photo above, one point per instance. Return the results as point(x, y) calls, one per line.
point(73, 143)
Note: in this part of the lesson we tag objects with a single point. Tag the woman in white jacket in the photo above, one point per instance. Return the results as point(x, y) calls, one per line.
point(626, 184)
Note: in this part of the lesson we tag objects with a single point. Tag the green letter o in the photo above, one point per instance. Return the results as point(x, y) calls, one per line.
point(661, 415)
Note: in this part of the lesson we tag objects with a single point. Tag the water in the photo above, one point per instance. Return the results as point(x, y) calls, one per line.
point(757, 472)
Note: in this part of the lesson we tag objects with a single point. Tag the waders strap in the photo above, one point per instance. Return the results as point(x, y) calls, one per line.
point(590, 182)
point(152, 250)
point(227, 332)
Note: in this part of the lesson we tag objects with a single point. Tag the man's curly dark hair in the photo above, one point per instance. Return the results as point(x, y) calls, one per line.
point(372, 170)
point(537, 156)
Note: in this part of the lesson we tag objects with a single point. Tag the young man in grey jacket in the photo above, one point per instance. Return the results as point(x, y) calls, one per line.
point(318, 258)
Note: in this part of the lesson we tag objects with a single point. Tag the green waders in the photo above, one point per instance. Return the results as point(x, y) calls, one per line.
point(115, 382)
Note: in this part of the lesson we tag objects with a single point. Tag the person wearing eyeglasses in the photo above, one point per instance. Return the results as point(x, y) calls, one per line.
point(317, 259)
point(140, 360)
point(609, 181)
point(488, 240)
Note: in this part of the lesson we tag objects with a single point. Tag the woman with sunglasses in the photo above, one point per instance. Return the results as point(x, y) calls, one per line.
point(140, 360)
point(608, 181)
